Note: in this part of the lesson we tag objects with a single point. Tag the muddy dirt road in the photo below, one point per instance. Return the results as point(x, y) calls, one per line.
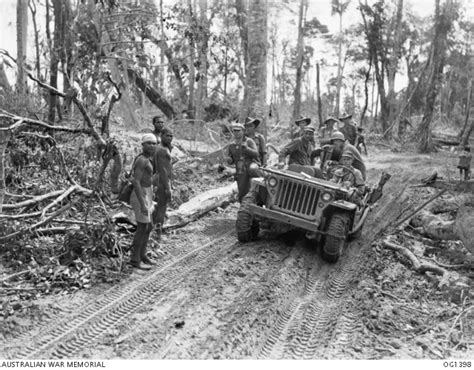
point(211, 297)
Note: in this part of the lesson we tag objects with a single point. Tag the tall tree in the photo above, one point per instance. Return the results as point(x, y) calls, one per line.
point(392, 61)
point(255, 89)
point(21, 41)
point(201, 92)
point(444, 16)
point(339, 7)
point(299, 60)
point(384, 40)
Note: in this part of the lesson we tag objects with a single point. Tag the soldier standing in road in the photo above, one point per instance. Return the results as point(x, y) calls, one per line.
point(348, 129)
point(300, 149)
point(360, 141)
point(250, 125)
point(464, 163)
point(141, 201)
point(302, 123)
point(327, 130)
point(243, 154)
point(163, 167)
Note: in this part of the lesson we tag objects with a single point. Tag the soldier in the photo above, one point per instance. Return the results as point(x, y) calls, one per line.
point(163, 167)
point(360, 141)
point(464, 163)
point(349, 176)
point(327, 130)
point(333, 152)
point(348, 129)
point(302, 123)
point(300, 149)
point(141, 201)
point(244, 154)
point(250, 125)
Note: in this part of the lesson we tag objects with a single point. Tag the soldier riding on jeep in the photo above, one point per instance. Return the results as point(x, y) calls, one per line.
point(330, 204)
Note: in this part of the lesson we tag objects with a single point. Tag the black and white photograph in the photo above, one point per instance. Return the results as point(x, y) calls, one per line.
point(236, 180)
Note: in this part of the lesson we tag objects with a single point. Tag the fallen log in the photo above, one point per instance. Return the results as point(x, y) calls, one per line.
point(187, 212)
point(199, 205)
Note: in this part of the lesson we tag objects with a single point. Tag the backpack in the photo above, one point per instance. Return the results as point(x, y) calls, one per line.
point(126, 187)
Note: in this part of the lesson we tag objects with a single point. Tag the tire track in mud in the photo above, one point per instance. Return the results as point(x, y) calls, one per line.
point(70, 336)
point(225, 309)
point(317, 319)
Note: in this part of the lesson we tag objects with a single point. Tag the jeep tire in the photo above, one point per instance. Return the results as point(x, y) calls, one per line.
point(337, 230)
point(247, 228)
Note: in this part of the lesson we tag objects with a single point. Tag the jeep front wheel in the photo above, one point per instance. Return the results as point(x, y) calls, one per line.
point(247, 227)
point(336, 237)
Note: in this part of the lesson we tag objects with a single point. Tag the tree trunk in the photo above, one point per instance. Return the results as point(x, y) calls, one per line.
point(299, 64)
point(4, 84)
point(162, 68)
point(339, 68)
point(366, 92)
point(393, 66)
point(32, 7)
point(468, 111)
point(443, 23)
point(4, 137)
point(154, 96)
point(191, 104)
point(21, 42)
point(174, 64)
point(318, 92)
point(54, 59)
point(256, 79)
point(243, 24)
point(202, 57)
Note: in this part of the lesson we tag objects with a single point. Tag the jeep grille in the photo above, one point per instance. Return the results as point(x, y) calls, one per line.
point(296, 198)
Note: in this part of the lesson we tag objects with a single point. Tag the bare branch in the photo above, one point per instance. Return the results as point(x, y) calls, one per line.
point(73, 94)
point(37, 225)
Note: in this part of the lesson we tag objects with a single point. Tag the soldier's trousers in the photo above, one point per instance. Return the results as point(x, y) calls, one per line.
point(160, 209)
point(243, 179)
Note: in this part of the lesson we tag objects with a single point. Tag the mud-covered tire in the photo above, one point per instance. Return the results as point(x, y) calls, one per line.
point(247, 228)
point(336, 236)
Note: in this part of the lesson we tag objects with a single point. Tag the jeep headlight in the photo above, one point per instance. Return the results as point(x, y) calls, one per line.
point(327, 197)
point(272, 182)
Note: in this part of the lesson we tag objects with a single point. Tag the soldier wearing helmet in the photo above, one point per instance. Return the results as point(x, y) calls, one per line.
point(351, 178)
point(334, 150)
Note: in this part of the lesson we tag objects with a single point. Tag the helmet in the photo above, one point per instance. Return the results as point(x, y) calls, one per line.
point(337, 135)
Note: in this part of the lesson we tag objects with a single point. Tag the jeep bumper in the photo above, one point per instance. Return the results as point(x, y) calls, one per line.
point(284, 218)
